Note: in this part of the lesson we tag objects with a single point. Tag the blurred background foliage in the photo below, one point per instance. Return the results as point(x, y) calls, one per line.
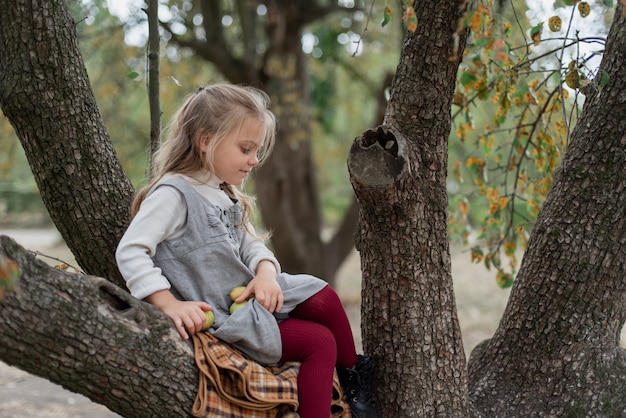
point(115, 56)
point(513, 113)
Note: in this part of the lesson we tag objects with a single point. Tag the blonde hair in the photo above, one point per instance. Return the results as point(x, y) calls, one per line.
point(216, 110)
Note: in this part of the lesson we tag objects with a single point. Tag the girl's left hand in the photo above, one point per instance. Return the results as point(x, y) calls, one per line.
point(265, 288)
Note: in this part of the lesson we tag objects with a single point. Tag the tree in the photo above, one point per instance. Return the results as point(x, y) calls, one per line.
point(519, 94)
point(557, 347)
point(98, 336)
point(398, 172)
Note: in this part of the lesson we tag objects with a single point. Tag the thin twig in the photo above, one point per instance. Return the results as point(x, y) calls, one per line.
point(367, 22)
point(63, 266)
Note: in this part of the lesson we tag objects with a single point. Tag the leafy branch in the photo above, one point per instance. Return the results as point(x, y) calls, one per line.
point(535, 98)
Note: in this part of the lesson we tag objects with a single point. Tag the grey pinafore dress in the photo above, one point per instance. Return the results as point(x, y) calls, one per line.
point(205, 263)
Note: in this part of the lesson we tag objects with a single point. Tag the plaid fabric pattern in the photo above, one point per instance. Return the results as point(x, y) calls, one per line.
point(232, 385)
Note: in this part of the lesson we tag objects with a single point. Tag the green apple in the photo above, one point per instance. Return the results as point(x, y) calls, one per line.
point(236, 306)
point(236, 292)
point(210, 319)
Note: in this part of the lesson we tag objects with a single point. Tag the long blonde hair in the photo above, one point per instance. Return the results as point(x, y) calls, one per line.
point(216, 110)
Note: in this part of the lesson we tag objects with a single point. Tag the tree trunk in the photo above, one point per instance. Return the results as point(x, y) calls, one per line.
point(556, 352)
point(93, 338)
point(45, 93)
point(398, 172)
point(287, 187)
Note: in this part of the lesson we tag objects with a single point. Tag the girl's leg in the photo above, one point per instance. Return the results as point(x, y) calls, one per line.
point(325, 308)
point(313, 345)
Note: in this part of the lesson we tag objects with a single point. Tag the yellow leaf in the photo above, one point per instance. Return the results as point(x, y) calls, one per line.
point(464, 207)
point(554, 23)
point(572, 79)
point(584, 9)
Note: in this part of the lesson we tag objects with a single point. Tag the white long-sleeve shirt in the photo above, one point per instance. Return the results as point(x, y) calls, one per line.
point(163, 216)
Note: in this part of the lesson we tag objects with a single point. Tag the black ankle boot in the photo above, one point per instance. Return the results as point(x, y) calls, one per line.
point(357, 386)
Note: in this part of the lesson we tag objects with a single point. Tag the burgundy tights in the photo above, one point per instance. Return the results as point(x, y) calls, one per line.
point(318, 335)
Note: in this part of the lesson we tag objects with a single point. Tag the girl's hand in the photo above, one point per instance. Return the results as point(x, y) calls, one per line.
point(188, 317)
point(265, 288)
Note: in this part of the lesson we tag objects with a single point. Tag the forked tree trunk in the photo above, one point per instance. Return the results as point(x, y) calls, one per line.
point(398, 172)
point(556, 352)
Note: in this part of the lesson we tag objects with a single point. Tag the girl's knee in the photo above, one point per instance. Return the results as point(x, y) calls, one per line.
point(306, 339)
point(321, 339)
point(326, 338)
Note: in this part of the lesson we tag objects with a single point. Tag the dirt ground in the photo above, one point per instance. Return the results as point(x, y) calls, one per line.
point(480, 303)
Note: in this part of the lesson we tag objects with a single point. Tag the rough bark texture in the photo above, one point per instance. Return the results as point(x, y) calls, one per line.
point(556, 352)
point(286, 186)
point(93, 338)
point(398, 172)
point(45, 93)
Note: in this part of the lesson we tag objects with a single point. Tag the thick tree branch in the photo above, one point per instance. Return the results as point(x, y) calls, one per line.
point(93, 338)
point(310, 11)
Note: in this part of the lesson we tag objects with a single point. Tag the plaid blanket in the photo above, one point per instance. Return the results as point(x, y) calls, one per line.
point(232, 385)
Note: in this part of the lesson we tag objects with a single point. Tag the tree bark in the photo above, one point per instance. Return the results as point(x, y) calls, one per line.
point(398, 172)
point(556, 351)
point(153, 86)
point(91, 337)
point(45, 93)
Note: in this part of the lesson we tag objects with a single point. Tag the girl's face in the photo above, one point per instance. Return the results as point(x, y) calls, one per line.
point(236, 155)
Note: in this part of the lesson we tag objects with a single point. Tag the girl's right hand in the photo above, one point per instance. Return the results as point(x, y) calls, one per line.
point(188, 317)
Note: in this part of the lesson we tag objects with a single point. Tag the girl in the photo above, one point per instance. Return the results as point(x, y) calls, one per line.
point(190, 242)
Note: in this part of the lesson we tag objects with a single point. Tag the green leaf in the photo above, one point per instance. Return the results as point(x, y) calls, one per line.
point(467, 78)
point(536, 29)
point(535, 33)
point(521, 91)
point(481, 42)
point(608, 3)
point(132, 75)
point(504, 280)
point(386, 16)
point(477, 254)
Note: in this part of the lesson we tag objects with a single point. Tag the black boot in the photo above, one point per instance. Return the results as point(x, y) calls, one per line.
point(357, 387)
